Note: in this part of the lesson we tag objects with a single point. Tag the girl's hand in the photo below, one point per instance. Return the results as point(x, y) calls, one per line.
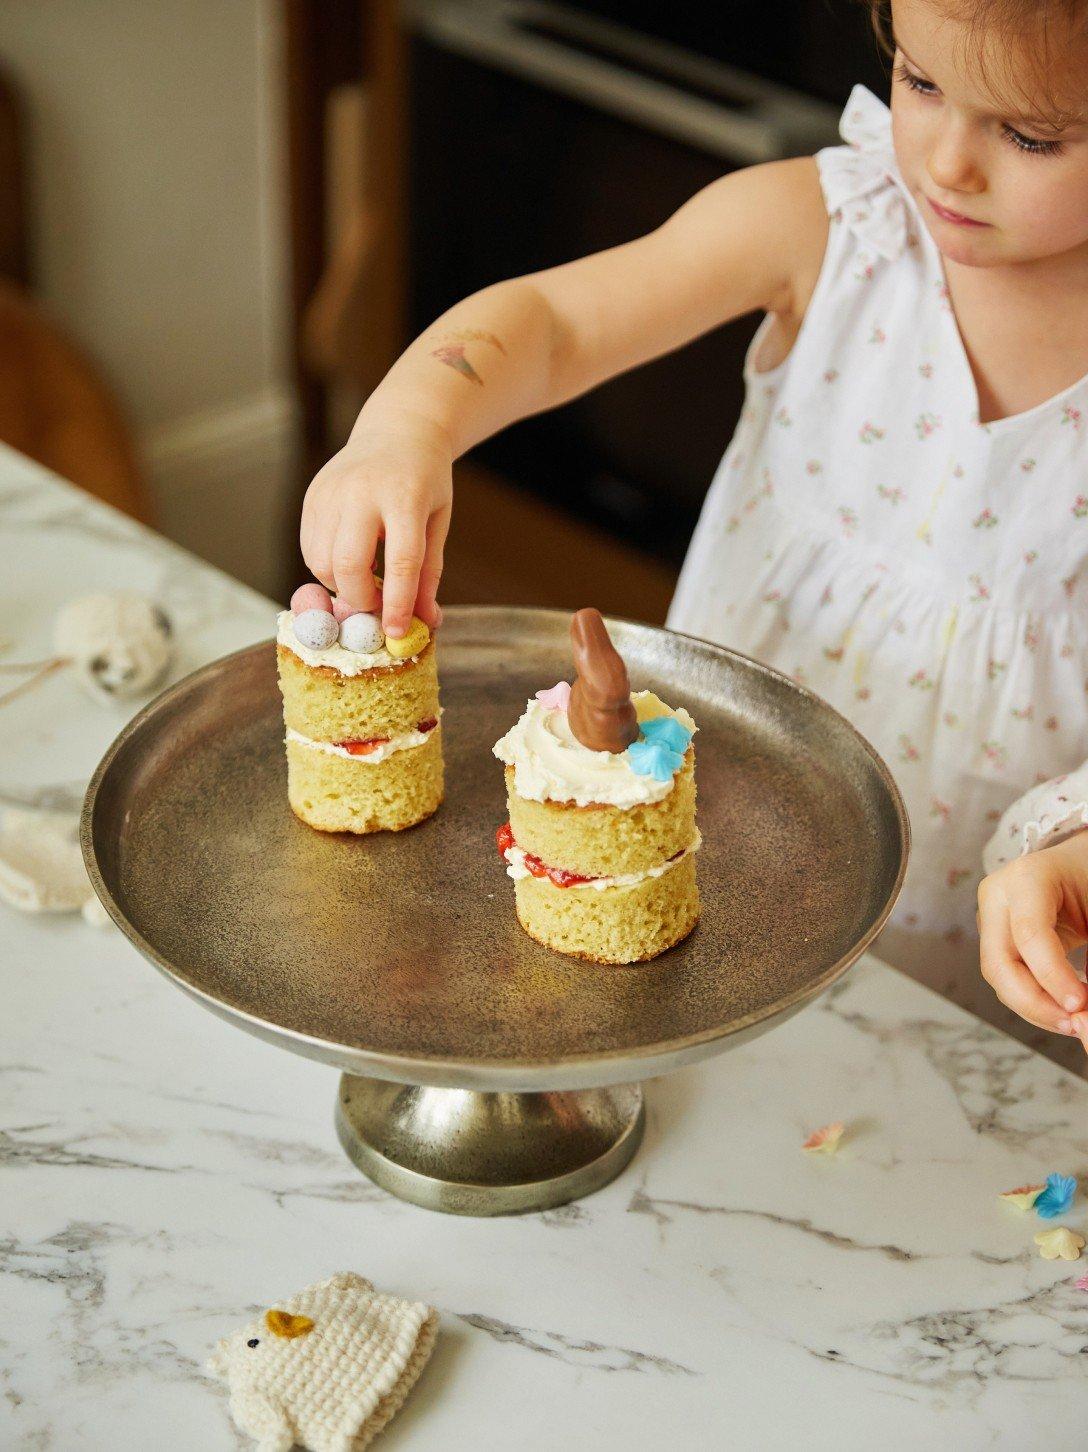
point(1031, 912)
point(391, 482)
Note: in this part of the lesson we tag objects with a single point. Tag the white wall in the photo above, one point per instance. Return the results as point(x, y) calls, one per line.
point(156, 160)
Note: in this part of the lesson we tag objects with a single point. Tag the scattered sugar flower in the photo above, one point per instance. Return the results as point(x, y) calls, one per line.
point(826, 1140)
point(1057, 1197)
point(557, 698)
point(1023, 1197)
point(1082, 1283)
point(1059, 1244)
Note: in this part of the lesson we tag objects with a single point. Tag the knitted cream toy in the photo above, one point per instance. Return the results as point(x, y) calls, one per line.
point(327, 1368)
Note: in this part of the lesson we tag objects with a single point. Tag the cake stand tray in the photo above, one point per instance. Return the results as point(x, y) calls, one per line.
point(483, 1073)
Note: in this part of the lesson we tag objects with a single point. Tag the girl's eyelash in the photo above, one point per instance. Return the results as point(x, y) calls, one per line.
point(915, 83)
point(1032, 145)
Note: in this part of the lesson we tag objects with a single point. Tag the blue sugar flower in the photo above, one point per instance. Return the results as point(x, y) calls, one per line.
point(1057, 1197)
point(653, 758)
point(659, 750)
point(669, 731)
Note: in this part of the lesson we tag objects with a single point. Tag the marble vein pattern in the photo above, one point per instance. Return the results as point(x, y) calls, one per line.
point(164, 1176)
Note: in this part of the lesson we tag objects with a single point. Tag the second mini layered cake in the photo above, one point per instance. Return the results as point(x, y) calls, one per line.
point(601, 844)
point(363, 727)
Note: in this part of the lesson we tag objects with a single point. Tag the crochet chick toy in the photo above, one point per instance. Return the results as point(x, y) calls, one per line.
point(327, 1368)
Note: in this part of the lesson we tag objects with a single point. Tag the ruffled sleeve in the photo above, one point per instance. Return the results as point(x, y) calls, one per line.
point(1042, 817)
point(861, 181)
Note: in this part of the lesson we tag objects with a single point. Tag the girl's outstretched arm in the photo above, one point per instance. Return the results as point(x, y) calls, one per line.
point(752, 240)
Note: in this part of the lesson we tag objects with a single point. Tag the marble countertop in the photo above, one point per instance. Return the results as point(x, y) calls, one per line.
point(163, 1175)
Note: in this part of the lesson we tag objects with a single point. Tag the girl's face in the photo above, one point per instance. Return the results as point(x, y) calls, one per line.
point(994, 181)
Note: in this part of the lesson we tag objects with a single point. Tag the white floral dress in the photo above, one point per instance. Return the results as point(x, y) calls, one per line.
point(924, 572)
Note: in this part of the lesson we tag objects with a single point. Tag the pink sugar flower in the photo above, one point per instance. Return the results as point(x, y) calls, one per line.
point(557, 698)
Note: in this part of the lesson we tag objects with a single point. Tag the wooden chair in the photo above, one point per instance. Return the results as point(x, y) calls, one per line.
point(54, 407)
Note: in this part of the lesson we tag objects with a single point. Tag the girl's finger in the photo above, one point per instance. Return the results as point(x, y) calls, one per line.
point(1080, 1027)
point(1008, 976)
point(405, 545)
point(306, 526)
point(318, 553)
point(1033, 926)
point(352, 557)
point(427, 607)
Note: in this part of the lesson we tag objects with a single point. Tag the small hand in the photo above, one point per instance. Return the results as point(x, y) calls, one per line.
point(1031, 913)
point(392, 483)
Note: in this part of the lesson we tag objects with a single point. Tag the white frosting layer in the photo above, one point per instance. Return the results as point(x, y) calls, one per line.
point(551, 764)
point(380, 753)
point(516, 868)
point(347, 662)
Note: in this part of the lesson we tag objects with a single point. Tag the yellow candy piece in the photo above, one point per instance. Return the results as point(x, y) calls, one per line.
point(411, 643)
point(1024, 1197)
point(649, 707)
point(1059, 1244)
point(282, 1323)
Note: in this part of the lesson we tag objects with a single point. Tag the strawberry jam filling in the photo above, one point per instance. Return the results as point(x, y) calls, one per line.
point(371, 743)
point(504, 837)
point(504, 840)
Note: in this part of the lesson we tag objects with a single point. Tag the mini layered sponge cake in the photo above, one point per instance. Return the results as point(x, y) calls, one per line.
point(601, 843)
point(364, 739)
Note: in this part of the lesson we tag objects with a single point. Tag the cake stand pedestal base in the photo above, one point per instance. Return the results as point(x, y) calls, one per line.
point(471, 1153)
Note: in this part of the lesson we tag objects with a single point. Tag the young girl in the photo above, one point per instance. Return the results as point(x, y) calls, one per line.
point(901, 520)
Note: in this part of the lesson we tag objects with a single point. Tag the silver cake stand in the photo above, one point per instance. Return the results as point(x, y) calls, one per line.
point(483, 1073)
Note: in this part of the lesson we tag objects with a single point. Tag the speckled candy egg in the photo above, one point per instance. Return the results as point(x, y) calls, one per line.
point(362, 633)
point(310, 597)
point(315, 629)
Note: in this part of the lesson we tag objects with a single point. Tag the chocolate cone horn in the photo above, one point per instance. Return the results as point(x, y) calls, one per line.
point(601, 715)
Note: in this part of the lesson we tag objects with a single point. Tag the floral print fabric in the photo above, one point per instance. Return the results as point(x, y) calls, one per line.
point(922, 571)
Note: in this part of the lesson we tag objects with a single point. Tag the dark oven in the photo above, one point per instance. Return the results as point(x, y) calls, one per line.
point(539, 133)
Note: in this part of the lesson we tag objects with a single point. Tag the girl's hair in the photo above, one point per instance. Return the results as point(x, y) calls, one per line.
point(1045, 63)
point(1019, 18)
